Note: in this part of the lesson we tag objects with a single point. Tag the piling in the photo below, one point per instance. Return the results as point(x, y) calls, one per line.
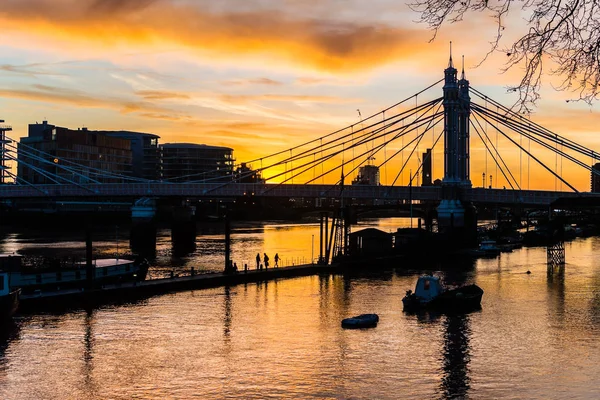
point(90, 271)
point(555, 255)
point(227, 241)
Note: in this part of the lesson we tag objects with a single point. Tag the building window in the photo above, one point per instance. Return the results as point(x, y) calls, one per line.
point(153, 142)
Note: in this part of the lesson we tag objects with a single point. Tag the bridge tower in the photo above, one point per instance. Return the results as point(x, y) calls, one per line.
point(457, 112)
point(464, 115)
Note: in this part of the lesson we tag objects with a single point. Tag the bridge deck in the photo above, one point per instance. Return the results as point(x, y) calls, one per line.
point(233, 190)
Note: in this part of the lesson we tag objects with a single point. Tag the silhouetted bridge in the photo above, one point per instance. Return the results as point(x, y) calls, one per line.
point(398, 133)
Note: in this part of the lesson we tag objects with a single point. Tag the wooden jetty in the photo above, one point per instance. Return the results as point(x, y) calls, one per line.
point(131, 291)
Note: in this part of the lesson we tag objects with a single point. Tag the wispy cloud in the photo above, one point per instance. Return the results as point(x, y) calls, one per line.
point(251, 81)
point(307, 80)
point(28, 69)
point(292, 98)
point(58, 95)
point(161, 95)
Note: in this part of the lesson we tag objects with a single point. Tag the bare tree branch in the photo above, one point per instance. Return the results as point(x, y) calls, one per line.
point(565, 34)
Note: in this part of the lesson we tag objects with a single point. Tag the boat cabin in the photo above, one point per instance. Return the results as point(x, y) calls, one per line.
point(369, 242)
point(428, 287)
point(488, 244)
point(4, 284)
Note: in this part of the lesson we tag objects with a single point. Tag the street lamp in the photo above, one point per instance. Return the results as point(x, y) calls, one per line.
point(483, 175)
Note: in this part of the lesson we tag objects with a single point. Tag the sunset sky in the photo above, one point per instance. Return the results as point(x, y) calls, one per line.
point(258, 76)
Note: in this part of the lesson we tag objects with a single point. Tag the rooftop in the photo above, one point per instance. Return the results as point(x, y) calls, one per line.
point(193, 146)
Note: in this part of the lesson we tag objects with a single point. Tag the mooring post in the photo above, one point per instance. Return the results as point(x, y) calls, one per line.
point(227, 240)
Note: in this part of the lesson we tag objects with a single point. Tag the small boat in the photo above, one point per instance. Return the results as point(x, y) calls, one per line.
point(430, 293)
point(489, 248)
point(9, 298)
point(361, 321)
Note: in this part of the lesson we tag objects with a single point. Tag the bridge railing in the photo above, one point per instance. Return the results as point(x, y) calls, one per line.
point(508, 196)
point(354, 192)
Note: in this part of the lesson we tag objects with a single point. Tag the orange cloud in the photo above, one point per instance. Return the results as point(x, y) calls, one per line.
point(167, 117)
point(322, 44)
point(254, 81)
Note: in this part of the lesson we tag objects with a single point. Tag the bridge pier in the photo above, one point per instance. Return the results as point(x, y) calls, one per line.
point(517, 216)
point(350, 216)
point(457, 220)
point(183, 230)
point(142, 238)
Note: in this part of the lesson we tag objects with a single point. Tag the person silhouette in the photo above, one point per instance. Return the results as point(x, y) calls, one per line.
point(257, 260)
point(266, 258)
point(276, 259)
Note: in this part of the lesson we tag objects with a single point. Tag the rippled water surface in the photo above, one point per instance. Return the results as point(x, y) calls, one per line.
point(537, 336)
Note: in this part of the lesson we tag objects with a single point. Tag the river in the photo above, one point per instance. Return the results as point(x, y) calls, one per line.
point(537, 336)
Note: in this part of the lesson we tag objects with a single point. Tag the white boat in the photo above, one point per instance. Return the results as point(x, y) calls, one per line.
point(431, 294)
point(73, 276)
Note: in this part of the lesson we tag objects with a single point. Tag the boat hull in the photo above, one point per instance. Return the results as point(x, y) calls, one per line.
point(9, 304)
point(465, 298)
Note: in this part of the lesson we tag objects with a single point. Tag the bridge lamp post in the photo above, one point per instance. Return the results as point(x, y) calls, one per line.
point(312, 252)
point(490, 181)
point(483, 175)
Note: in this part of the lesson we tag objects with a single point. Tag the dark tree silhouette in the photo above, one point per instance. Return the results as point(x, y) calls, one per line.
point(562, 34)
